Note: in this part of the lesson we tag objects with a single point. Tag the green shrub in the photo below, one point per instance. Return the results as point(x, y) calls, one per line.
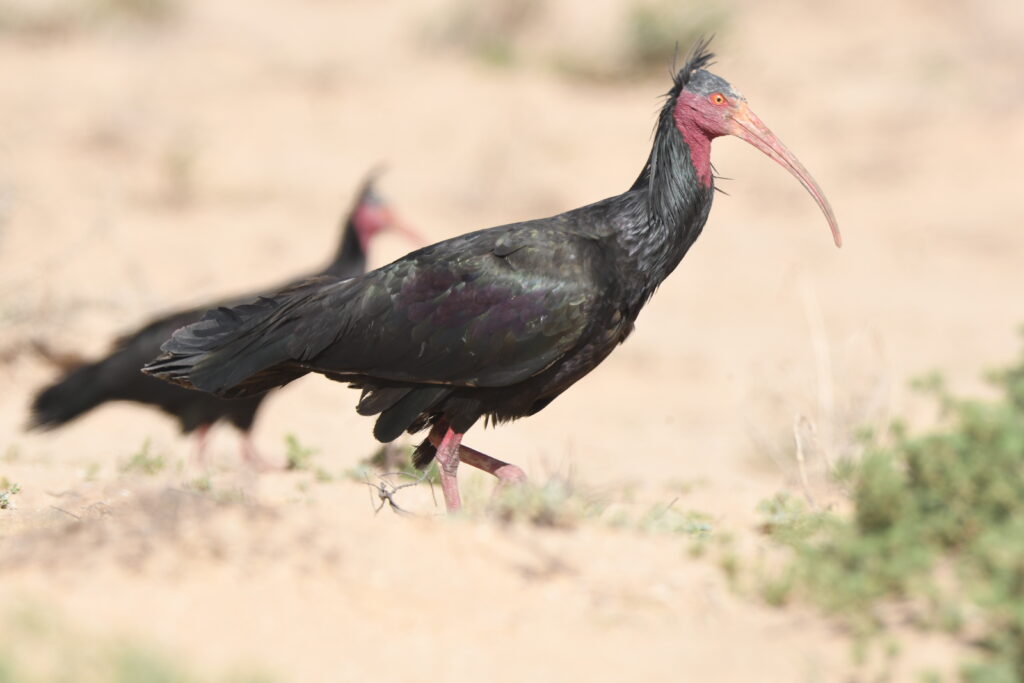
point(937, 522)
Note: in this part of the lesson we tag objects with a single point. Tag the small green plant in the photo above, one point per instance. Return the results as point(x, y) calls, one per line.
point(664, 519)
point(144, 461)
point(394, 458)
point(201, 484)
point(91, 471)
point(788, 518)
point(557, 503)
point(360, 473)
point(297, 456)
point(937, 524)
point(8, 489)
point(657, 29)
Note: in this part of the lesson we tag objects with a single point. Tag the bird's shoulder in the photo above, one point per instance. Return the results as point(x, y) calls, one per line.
point(555, 248)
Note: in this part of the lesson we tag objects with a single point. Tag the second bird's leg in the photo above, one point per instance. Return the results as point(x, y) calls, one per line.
point(446, 441)
point(251, 456)
point(202, 433)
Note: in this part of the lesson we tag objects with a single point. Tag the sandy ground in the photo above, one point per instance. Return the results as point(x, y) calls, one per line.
point(145, 166)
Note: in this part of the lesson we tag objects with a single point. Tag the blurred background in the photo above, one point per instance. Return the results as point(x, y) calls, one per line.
point(160, 153)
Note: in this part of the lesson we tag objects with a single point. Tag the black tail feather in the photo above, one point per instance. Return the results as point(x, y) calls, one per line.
point(378, 399)
point(396, 419)
point(77, 392)
point(423, 455)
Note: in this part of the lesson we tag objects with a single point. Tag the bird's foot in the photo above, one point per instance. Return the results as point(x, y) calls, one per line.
point(252, 458)
point(507, 474)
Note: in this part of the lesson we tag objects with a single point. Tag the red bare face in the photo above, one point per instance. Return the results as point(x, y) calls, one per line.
point(711, 109)
point(373, 216)
point(711, 114)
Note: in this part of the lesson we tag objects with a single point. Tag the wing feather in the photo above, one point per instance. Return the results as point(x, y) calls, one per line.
point(472, 319)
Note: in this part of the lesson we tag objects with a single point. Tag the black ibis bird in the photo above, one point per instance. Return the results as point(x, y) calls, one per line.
point(496, 323)
point(117, 376)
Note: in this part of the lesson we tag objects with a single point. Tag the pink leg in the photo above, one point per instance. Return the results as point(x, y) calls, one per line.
point(251, 456)
point(447, 464)
point(507, 474)
point(202, 432)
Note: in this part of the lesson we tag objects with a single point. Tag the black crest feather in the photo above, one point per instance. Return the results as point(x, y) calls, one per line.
point(367, 188)
point(668, 152)
point(698, 58)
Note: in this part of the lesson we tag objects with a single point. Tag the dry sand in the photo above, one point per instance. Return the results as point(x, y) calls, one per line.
point(144, 167)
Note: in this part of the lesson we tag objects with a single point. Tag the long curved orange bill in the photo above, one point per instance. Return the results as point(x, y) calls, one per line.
point(750, 128)
point(402, 228)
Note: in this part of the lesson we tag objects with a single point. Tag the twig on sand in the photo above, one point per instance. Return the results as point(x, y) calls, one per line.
point(799, 423)
point(386, 491)
point(69, 514)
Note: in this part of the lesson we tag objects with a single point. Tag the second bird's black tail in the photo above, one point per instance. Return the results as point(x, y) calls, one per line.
point(77, 392)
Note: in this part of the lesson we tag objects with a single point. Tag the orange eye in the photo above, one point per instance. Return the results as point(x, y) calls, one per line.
point(717, 98)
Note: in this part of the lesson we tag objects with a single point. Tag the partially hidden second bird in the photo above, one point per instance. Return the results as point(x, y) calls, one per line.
point(118, 377)
point(494, 324)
